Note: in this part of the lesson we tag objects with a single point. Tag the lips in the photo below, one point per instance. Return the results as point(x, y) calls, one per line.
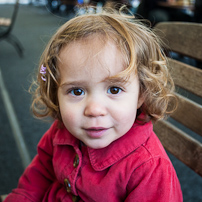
point(96, 132)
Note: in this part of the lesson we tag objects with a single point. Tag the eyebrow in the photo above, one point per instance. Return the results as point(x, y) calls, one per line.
point(111, 80)
point(116, 80)
point(73, 83)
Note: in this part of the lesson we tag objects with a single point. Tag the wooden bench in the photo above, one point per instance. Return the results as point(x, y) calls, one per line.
point(186, 40)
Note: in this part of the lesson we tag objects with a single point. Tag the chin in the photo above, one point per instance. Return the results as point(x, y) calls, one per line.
point(98, 146)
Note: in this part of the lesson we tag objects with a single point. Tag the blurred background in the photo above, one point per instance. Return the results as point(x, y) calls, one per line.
point(26, 30)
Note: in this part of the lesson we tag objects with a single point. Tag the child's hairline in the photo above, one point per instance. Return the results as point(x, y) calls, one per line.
point(107, 36)
point(108, 39)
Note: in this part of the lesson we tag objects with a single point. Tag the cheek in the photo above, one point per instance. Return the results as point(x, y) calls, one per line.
point(69, 116)
point(125, 115)
point(124, 121)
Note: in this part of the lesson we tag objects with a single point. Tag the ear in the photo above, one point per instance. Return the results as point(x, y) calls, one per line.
point(140, 101)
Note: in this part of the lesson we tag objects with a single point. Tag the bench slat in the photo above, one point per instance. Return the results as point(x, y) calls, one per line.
point(189, 114)
point(186, 76)
point(182, 37)
point(184, 147)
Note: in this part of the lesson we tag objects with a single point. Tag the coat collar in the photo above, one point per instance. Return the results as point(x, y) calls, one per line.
point(102, 158)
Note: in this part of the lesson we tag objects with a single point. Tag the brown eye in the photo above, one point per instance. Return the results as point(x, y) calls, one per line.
point(77, 92)
point(114, 90)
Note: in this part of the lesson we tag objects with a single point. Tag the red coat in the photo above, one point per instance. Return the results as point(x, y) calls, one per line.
point(133, 168)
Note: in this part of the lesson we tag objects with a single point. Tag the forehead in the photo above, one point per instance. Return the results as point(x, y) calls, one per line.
point(90, 55)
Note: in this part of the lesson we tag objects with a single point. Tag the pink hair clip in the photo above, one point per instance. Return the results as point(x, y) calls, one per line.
point(43, 73)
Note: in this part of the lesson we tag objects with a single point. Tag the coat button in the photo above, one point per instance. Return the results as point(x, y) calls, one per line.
point(67, 185)
point(75, 198)
point(76, 161)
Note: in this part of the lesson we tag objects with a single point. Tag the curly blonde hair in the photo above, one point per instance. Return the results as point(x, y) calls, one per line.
point(137, 42)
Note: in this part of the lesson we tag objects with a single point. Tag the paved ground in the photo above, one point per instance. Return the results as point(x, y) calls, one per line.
point(33, 28)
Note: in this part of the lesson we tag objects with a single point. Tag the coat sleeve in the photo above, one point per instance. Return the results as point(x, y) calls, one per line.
point(155, 180)
point(39, 175)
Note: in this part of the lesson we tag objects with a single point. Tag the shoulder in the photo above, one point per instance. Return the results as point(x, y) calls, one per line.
point(149, 158)
point(154, 179)
point(150, 153)
point(150, 164)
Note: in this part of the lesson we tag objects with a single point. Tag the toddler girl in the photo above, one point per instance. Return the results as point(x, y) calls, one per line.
point(103, 79)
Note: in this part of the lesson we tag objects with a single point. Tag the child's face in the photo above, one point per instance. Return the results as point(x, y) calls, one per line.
point(94, 108)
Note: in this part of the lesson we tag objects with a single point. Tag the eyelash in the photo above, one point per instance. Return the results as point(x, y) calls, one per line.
point(81, 92)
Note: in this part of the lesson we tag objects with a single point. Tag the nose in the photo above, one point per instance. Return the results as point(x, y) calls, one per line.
point(95, 108)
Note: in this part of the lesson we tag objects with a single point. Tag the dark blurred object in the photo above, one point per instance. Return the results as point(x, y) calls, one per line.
point(57, 5)
point(69, 5)
point(7, 26)
point(118, 4)
point(155, 12)
point(198, 11)
point(125, 2)
point(95, 2)
point(149, 9)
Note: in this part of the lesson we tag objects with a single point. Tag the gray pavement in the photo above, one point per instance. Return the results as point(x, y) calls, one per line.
point(34, 27)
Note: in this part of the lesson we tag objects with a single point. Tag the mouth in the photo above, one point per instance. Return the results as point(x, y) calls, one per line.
point(96, 132)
